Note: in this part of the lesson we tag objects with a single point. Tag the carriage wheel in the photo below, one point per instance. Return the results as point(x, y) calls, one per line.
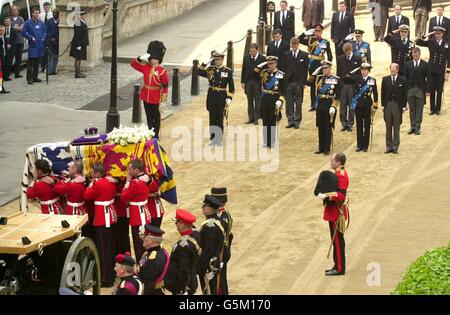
point(81, 271)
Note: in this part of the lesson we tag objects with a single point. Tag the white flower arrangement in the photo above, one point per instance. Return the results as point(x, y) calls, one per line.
point(130, 135)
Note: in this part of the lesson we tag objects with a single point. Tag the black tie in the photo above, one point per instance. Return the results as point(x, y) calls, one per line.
point(341, 17)
point(440, 21)
point(45, 20)
point(253, 59)
point(7, 32)
point(416, 64)
point(284, 18)
point(398, 20)
point(277, 45)
point(393, 81)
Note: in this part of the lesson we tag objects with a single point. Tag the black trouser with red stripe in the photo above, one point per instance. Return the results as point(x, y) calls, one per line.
point(105, 245)
point(121, 235)
point(137, 243)
point(338, 248)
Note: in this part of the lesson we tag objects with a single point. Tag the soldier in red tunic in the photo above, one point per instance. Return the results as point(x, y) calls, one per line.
point(335, 211)
point(121, 229)
point(73, 187)
point(135, 193)
point(42, 189)
point(103, 191)
point(156, 83)
point(154, 203)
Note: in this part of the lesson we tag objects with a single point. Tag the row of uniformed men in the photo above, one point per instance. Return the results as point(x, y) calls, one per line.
point(203, 252)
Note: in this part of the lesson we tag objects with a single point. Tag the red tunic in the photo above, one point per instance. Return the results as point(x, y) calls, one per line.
point(47, 197)
point(331, 212)
point(121, 206)
point(156, 82)
point(154, 203)
point(136, 194)
point(74, 192)
point(102, 192)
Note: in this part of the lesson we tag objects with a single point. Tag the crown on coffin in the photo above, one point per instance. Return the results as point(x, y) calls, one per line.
point(91, 131)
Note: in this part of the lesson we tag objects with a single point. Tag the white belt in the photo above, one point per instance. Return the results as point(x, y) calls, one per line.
point(49, 202)
point(141, 205)
point(105, 204)
point(75, 204)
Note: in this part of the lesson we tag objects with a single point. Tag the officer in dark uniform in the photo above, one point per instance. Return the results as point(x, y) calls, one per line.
point(219, 98)
point(212, 236)
point(154, 262)
point(364, 103)
point(440, 66)
point(129, 283)
point(181, 277)
point(401, 47)
point(272, 98)
point(361, 48)
point(317, 48)
point(227, 222)
point(327, 101)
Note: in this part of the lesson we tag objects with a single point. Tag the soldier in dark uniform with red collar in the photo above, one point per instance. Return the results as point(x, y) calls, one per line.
point(227, 222)
point(129, 283)
point(219, 97)
point(135, 193)
point(212, 237)
point(181, 277)
point(336, 213)
point(154, 262)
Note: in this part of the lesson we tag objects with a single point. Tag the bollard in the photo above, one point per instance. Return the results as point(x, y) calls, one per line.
point(248, 41)
point(176, 87)
point(260, 37)
point(136, 116)
point(230, 53)
point(195, 88)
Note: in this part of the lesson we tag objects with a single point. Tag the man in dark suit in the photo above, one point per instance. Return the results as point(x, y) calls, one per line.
point(250, 81)
point(394, 91)
point(384, 14)
point(80, 41)
point(440, 20)
point(295, 65)
point(278, 47)
point(421, 9)
point(440, 66)
point(10, 39)
point(342, 24)
point(312, 13)
point(397, 19)
point(285, 21)
point(348, 71)
point(401, 47)
point(417, 72)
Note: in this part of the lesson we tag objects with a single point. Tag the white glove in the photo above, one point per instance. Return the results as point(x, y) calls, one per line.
point(144, 57)
point(210, 275)
point(332, 111)
point(209, 61)
point(278, 104)
point(1, 88)
point(79, 48)
point(350, 37)
point(228, 101)
point(317, 71)
point(309, 32)
point(262, 64)
point(321, 196)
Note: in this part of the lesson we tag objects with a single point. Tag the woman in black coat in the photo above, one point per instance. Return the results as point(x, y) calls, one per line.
point(80, 41)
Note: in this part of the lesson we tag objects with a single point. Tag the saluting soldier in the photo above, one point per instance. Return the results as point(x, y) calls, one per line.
point(220, 94)
point(317, 48)
point(129, 283)
point(154, 262)
point(327, 102)
point(220, 193)
point(272, 98)
point(364, 104)
point(361, 48)
point(440, 66)
point(212, 236)
point(181, 277)
point(401, 47)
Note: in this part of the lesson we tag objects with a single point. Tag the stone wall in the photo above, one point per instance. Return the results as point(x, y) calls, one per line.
point(135, 16)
